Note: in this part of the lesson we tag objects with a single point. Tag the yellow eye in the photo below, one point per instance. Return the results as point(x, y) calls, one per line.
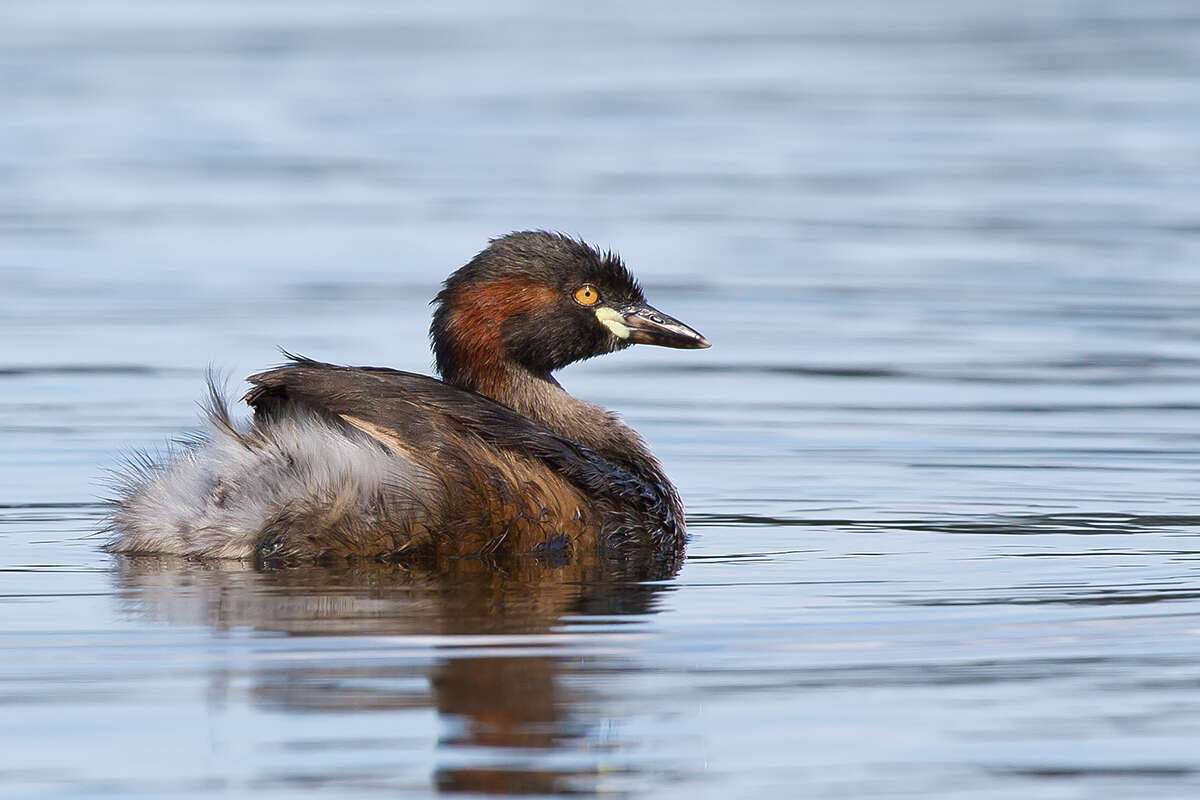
point(587, 295)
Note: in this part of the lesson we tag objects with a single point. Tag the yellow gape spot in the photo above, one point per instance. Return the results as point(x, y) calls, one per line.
point(613, 320)
point(587, 295)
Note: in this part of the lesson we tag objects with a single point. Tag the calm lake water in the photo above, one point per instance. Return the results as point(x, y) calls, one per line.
point(942, 463)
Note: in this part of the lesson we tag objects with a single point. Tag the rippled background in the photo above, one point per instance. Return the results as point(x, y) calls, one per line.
point(941, 464)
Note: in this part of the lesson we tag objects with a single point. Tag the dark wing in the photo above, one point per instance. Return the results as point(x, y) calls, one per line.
point(414, 407)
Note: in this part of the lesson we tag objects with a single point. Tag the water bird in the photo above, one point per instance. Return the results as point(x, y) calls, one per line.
point(493, 459)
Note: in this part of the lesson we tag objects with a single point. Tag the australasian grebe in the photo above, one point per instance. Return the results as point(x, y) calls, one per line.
point(494, 458)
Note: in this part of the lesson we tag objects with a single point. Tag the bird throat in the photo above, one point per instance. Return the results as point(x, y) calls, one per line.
point(542, 399)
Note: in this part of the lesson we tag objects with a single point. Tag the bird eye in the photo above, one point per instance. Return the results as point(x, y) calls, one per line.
point(587, 295)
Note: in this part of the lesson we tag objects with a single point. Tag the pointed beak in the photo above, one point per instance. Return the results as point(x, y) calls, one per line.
point(643, 324)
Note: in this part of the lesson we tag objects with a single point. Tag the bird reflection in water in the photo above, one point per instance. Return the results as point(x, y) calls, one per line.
point(491, 704)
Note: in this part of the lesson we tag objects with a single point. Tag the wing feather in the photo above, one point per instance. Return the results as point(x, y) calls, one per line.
point(421, 411)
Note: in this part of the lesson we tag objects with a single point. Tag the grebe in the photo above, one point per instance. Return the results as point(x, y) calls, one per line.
point(496, 458)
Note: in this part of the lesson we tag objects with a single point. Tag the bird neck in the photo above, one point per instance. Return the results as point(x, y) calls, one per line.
point(542, 399)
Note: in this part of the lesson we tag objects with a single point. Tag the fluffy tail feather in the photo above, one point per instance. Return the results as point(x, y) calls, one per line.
point(297, 486)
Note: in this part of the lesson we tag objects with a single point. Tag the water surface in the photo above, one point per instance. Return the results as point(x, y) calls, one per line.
point(940, 463)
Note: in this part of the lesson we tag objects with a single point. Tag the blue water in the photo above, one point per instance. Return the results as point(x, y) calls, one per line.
point(941, 464)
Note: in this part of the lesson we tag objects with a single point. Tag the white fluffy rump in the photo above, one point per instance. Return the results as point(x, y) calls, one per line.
point(222, 495)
